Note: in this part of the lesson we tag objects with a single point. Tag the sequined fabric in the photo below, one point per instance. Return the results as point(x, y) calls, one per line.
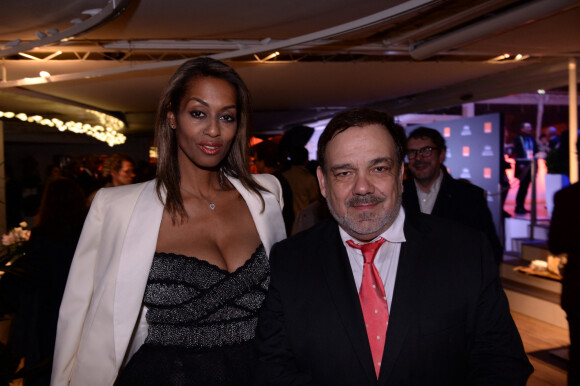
point(202, 321)
point(195, 304)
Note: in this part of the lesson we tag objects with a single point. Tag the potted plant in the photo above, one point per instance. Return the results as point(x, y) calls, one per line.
point(12, 249)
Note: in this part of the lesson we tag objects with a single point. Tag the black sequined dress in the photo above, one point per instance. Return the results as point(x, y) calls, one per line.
point(202, 320)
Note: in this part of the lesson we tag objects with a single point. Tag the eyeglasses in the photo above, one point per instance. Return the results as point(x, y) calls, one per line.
point(424, 152)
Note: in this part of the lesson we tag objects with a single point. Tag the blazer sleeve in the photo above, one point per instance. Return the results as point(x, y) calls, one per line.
point(486, 224)
point(77, 296)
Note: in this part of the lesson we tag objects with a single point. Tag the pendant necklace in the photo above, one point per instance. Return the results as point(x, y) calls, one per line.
point(210, 202)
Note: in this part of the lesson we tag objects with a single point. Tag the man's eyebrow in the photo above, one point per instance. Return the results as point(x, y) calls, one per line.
point(341, 167)
point(373, 162)
point(380, 160)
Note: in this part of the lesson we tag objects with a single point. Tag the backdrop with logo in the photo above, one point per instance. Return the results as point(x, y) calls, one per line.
point(474, 153)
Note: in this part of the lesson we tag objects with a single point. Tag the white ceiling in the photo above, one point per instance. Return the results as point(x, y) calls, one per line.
point(402, 56)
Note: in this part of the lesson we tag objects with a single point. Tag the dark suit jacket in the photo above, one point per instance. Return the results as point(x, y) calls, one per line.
point(519, 153)
point(449, 319)
point(461, 202)
point(564, 238)
point(519, 150)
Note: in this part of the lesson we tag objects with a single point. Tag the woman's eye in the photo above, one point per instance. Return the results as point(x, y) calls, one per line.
point(197, 114)
point(228, 118)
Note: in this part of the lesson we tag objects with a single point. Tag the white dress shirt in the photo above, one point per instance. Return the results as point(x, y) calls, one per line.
point(387, 258)
point(427, 200)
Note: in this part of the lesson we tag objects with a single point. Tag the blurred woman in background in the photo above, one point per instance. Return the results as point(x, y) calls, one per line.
point(49, 253)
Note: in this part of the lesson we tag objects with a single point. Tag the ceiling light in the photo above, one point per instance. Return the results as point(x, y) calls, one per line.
point(507, 58)
point(500, 57)
point(29, 56)
point(541, 91)
point(272, 55)
point(519, 57)
point(44, 74)
point(92, 12)
point(105, 133)
point(40, 34)
point(53, 55)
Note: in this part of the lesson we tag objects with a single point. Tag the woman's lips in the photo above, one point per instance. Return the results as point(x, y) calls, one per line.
point(210, 148)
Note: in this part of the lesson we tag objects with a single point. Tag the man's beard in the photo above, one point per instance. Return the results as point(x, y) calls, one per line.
point(367, 222)
point(426, 174)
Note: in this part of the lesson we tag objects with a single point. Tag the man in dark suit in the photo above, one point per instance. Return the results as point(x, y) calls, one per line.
point(563, 238)
point(525, 147)
point(430, 310)
point(433, 191)
point(86, 177)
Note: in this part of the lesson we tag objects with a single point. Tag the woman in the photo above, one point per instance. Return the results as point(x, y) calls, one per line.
point(49, 253)
point(175, 269)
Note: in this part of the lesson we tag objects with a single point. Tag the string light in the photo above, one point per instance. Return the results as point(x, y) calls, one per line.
point(105, 132)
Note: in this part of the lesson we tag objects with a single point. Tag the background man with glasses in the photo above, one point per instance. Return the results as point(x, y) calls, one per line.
point(431, 189)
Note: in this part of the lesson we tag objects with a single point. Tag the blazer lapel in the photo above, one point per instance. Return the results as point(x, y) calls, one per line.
point(344, 293)
point(406, 297)
point(134, 265)
point(269, 223)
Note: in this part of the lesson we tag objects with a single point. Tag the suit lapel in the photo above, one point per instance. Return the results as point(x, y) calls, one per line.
point(444, 196)
point(410, 197)
point(342, 288)
point(406, 297)
point(135, 261)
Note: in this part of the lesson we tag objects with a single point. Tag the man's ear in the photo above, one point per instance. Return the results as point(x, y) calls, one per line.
point(402, 175)
point(321, 181)
point(442, 156)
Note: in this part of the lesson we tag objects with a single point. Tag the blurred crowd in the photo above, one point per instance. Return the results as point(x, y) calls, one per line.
point(25, 183)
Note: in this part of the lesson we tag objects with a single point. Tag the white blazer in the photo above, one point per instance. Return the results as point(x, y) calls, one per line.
point(102, 319)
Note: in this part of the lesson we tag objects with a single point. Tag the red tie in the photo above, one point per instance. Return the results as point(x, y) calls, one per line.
point(373, 301)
